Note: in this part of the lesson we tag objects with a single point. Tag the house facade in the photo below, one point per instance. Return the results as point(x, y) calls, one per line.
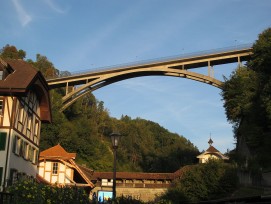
point(24, 105)
point(56, 166)
point(211, 153)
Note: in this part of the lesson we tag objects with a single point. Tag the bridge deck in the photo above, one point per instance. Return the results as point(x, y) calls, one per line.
point(185, 61)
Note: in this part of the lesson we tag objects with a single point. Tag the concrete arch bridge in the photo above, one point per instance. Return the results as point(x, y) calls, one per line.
point(176, 66)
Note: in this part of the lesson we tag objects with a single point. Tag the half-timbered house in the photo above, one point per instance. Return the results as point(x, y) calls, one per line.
point(24, 105)
point(57, 166)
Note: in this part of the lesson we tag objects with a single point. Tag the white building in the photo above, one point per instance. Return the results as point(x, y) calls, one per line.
point(211, 153)
point(24, 105)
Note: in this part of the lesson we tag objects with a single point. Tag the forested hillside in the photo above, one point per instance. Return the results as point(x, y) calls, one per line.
point(85, 127)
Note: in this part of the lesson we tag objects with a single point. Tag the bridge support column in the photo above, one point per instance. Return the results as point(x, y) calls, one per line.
point(239, 62)
point(211, 72)
point(67, 87)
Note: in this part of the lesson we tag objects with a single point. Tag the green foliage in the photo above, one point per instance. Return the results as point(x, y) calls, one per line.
point(239, 92)
point(124, 200)
point(31, 192)
point(212, 180)
point(261, 58)
point(152, 148)
point(85, 128)
point(247, 101)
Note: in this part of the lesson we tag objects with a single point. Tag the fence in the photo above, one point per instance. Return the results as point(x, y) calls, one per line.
point(5, 198)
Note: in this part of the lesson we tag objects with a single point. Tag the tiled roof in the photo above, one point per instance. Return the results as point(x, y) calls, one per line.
point(88, 172)
point(139, 175)
point(22, 76)
point(211, 149)
point(57, 152)
point(132, 175)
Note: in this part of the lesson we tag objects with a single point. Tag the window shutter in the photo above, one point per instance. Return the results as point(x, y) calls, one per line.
point(3, 137)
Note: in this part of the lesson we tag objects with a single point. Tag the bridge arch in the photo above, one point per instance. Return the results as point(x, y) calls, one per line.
point(105, 80)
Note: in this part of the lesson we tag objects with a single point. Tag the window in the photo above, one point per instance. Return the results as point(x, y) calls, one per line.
point(29, 124)
point(30, 153)
point(29, 120)
point(35, 156)
point(26, 148)
point(1, 107)
point(55, 168)
point(36, 131)
point(13, 176)
point(36, 127)
point(22, 149)
point(16, 145)
point(3, 137)
point(21, 113)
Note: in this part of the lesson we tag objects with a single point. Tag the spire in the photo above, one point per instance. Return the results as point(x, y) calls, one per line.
point(210, 142)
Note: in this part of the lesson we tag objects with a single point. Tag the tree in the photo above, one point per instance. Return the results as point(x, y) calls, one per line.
point(247, 101)
point(261, 57)
point(11, 52)
point(200, 182)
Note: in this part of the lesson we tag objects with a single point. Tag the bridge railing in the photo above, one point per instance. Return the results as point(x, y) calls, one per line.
point(159, 60)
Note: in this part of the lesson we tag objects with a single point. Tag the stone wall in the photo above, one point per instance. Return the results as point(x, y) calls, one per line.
point(143, 194)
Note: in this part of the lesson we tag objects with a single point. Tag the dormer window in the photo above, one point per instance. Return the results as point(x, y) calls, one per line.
point(5, 70)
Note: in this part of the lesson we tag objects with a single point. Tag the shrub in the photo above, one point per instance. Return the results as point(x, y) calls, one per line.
point(28, 191)
point(212, 180)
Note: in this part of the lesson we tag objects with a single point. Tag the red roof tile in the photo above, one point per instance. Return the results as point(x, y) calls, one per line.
point(57, 152)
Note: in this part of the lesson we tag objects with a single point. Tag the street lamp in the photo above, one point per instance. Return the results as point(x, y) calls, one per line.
point(115, 142)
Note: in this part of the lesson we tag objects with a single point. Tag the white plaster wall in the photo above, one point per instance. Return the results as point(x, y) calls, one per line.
point(41, 169)
point(61, 166)
point(61, 178)
point(48, 166)
point(54, 179)
point(47, 176)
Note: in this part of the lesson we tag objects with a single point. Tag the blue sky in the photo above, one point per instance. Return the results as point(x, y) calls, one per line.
point(86, 34)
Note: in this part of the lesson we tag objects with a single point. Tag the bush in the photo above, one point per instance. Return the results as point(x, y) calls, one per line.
point(28, 191)
point(212, 180)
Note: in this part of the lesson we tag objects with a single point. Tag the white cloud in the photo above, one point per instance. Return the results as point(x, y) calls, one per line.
point(55, 7)
point(23, 16)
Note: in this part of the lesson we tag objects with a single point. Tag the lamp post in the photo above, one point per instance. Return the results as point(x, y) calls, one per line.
point(115, 142)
